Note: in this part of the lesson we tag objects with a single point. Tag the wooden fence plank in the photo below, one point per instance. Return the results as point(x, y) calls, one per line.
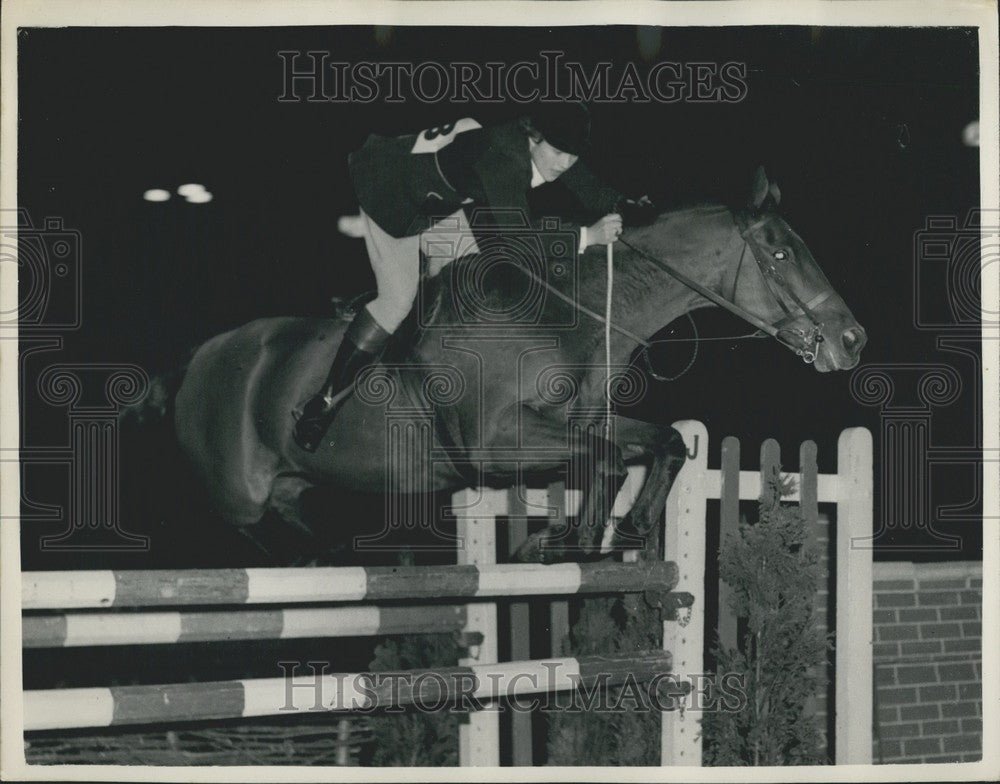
point(854, 599)
point(770, 460)
point(729, 521)
point(809, 508)
point(519, 614)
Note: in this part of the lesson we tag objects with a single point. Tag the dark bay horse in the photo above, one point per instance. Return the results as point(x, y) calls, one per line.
point(509, 378)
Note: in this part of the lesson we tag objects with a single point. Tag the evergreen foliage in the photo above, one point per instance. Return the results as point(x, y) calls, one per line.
point(773, 576)
point(414, 737)
point(625, 730)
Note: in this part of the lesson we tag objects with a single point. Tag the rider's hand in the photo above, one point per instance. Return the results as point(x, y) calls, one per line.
point(606, 230)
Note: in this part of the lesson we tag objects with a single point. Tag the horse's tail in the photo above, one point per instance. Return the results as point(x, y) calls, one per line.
point(158, 403)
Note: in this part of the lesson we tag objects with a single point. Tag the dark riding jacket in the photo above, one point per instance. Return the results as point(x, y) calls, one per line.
point(403, 183)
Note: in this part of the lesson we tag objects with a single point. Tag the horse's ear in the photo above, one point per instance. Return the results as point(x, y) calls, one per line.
point(775, 192)
point(759, 188)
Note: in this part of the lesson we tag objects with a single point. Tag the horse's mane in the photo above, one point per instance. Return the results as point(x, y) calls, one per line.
point(684, 210)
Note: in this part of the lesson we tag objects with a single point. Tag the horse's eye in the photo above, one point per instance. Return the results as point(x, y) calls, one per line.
point(780, 255)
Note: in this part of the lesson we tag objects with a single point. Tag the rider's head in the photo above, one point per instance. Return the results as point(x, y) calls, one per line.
point(559, 133)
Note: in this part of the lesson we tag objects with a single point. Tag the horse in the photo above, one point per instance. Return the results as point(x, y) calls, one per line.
point(510, 376)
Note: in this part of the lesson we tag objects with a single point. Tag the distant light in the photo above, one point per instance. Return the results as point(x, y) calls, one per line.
point(199, 198)
point(194, 193)
point(970, 134)
point(156, 194)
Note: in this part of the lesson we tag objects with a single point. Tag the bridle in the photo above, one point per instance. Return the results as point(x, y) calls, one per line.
point(804, 342)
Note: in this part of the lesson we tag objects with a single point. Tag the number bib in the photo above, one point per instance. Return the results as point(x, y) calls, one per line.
point(434, 139)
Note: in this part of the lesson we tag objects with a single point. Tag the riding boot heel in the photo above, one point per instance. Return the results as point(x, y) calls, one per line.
point(362, 345)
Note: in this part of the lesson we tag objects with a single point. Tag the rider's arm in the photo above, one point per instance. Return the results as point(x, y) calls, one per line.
point(505, 194)
point(593, 194)
point(599, 201)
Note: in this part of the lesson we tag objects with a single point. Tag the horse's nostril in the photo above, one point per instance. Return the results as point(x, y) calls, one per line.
point(853, 339)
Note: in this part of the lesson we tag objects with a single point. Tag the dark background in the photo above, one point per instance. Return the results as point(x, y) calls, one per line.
point(862, 129)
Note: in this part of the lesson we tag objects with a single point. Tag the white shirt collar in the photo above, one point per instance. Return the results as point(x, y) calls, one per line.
point(536, 176)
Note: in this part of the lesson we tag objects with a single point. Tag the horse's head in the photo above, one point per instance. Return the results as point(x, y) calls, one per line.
point(786, 289)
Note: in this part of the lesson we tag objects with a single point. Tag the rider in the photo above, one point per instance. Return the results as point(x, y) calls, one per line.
point(402, 181)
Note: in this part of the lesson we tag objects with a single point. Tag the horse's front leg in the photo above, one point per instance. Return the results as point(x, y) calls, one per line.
point(594, 466)
point(661, 449)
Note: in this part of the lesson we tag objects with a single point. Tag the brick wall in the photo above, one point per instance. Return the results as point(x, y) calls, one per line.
point(928, 662)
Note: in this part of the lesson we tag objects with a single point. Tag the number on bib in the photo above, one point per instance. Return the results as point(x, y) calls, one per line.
point(433, 139)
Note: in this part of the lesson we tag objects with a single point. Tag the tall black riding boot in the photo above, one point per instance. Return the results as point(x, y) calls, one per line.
point(362, 345)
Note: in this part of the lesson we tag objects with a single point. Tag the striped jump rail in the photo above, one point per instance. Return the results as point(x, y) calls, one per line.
point(57, 709)
point(86, 628)
point(174, 588)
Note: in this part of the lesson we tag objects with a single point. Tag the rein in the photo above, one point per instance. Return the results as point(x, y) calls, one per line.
point(803, 343)
point(707, 293)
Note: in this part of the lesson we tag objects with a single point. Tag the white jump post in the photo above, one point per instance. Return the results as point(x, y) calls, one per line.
point(684, 543)
point(476, 512)
point(853, 739)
